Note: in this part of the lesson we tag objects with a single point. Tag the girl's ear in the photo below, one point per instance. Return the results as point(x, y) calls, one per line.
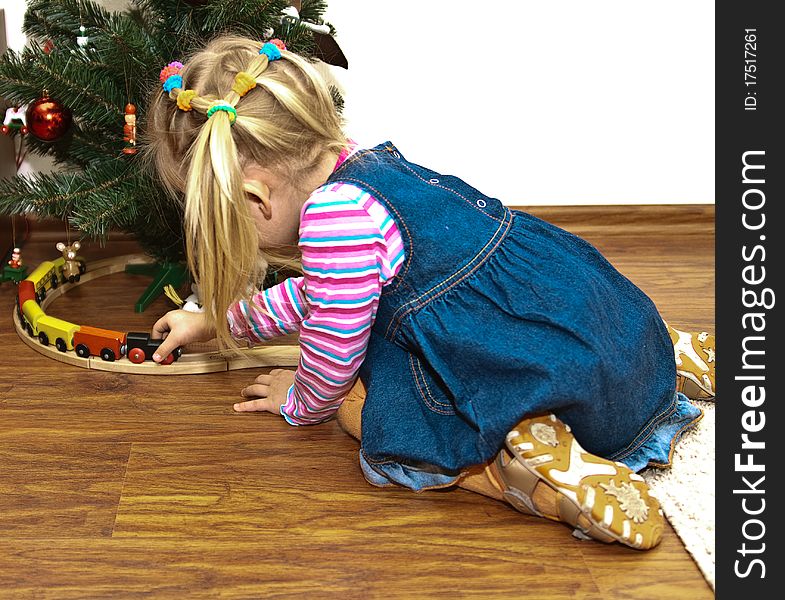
point(259, 193)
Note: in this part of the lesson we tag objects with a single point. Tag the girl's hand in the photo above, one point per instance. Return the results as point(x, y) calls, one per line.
point(270, 391)
point(178, 328)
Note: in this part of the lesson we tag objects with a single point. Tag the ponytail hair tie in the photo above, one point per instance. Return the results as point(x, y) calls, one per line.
point(243, 83)
point(170, 76)
point(172, 82)
point(173, 68)
point(221, 105)
point(272, 50)
point(184, 99)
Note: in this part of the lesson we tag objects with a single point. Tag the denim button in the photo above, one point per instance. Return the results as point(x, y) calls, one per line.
point(434, 180)
point(481, 203)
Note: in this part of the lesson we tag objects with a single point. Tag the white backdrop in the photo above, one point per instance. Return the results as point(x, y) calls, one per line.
point(560, 102)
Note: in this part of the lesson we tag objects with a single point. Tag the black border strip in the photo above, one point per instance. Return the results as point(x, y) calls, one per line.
point(749, 103)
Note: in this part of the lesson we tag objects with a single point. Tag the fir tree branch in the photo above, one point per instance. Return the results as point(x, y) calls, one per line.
point(115, 35)
point(56, 194)
point(118, 41)
point(71, 91)
point(68, 78)
point(298, 38)
point(79, 147)
point(251, 17)
point(93, 146)
point(14, 85)
point(312, 10)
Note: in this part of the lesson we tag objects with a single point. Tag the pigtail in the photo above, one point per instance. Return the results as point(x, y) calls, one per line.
point(222, 241)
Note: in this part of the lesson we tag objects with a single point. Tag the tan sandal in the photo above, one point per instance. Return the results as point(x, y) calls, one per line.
point(601, 499)
point(695, 363)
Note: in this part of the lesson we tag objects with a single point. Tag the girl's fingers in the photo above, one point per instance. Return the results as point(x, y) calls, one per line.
point(160, 328)
point(256, 390)
point(252, 405)
point(166, 348)
point(260, 391)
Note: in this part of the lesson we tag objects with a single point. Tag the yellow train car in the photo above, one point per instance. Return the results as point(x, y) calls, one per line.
point(45, 277)
point(31, 312)
point(52, 330)
point(49, 330)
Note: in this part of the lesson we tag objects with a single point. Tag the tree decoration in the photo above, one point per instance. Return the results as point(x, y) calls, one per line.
point(47, 119)
point(14, 121)
point(129, 129)
point(16, 259)
point(82, 40)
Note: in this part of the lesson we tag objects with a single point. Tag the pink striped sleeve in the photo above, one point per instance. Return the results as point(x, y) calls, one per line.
point(275, 311)
point(345, 239)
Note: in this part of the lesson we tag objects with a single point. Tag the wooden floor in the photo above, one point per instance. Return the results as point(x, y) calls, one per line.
point(124, 486)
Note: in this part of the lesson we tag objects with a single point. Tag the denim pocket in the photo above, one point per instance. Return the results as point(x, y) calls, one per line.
point(429, 387)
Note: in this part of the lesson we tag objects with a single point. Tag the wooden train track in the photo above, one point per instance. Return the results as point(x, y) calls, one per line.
point(194, 359)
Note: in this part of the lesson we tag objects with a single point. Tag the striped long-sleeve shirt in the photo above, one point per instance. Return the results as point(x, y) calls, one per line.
point(350, 248)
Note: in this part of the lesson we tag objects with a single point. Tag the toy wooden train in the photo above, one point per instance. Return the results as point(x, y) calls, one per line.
point(85, 340)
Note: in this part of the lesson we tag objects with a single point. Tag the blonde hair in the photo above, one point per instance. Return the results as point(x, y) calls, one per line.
point(285, 124)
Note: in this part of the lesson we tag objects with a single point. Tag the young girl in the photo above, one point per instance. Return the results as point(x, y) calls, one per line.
point(478, 344)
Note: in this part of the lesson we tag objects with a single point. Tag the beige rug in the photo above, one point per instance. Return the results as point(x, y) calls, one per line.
point(686, 491)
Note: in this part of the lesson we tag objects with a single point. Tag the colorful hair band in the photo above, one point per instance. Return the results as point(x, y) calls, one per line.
point(273, 49)
point(170, 76)
point(184, 99)
point(173, 68)
point(173, 81)
point(243, 83)
point(221, 105)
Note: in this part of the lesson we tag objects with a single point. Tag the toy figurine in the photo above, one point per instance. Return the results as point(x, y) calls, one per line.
point(14, 269)
point(129, 129)
point(16, 259)
point(192, 303)
point(15, 120)
point(71, 270)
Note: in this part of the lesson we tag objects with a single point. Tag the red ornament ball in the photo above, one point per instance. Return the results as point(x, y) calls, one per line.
point(47, 119)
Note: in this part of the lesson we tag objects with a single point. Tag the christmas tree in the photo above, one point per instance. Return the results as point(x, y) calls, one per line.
point(82, 68)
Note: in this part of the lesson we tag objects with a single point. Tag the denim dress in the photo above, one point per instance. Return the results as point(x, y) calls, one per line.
point(496, 315)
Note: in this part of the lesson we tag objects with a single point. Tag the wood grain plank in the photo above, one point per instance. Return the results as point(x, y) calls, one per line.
point(662, 573)
point(60, 489)
point(292, 565)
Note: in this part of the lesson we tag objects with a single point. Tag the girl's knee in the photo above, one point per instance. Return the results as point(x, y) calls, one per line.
point(349, 414)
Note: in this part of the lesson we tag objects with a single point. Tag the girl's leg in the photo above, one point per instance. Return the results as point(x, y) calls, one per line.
point(543, 471)
point(479, 479)
point(349, 414)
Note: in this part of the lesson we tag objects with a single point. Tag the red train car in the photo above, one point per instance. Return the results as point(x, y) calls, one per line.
point(93, 341)
point(25, 291)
